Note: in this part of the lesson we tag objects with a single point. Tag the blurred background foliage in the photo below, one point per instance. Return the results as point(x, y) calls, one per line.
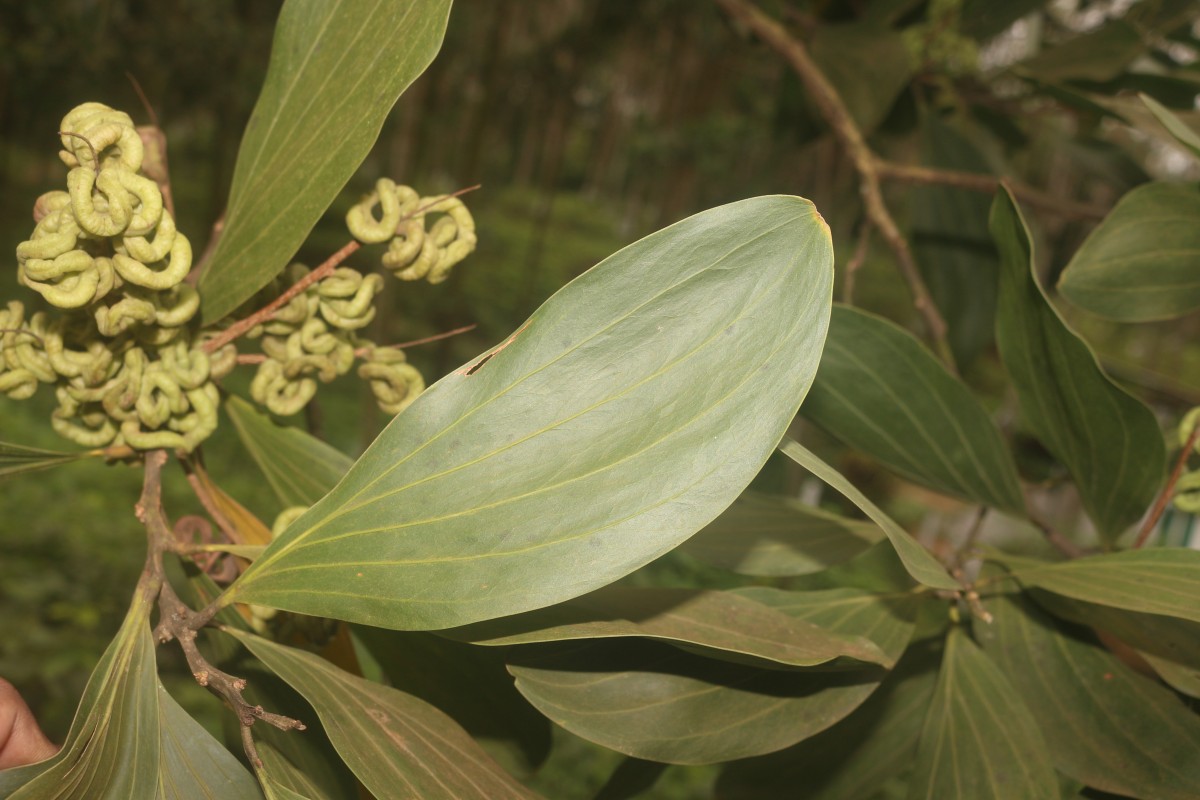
point(590, 123)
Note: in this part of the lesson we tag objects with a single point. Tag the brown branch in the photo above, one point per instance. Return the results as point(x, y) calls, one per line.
point(176, 620)
point(1160, 505)
point(267, 312)
point(197, 478)
point(834, 110)
point(1060, 543)
point(976, 182)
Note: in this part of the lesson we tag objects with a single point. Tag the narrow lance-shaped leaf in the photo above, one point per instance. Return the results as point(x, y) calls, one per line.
point(336, 71)
point(880, 391)
point(1153, 580)
point(653, 701)
point(300, 467)
point(855, 757)
point(1103, 724)
point(1174, 125)
point(1097, 55)
point(627, 413)
point(1142, 263)
point(1108, 440)
point(776, 536)
point(397, 745)
point(715, 624)
point(1171, 645)
point(917, 560)
point(16, 459)
point(979, 740)
point(194, 765)
point(130, 738)
point(468, 683)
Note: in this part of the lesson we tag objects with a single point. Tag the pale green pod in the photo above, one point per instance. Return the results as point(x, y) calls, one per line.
point(411, 253)
point(163, 274)
point(286, 518)
point(281, 396)
point(361, 221)
point(313, 337)
point(189, 366)
point(56, 234)
point(159, 398)
point(146, 250)
point(139, 439)
point(1187, 493)
point(114, 218)
point(118, 318)
point(49, 202)
point(353, 310)
point(19, 384)
point(394, 382)
point(86, 429)
point(27, 351)
point(204, 418)
point(148, 211)
point(41, 270)
point(176, 306)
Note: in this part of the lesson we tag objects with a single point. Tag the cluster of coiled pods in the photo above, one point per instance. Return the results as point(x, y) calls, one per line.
point(127, 362)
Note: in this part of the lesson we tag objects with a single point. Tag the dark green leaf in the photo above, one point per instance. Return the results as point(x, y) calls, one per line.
point(397, 745)
point(715, 624)
point(870, 86)
point(776, 536)
point(1174, 125)
point(1102, 723)
point(880, 391)
point(886, 618)
point(657, 702)
point(1143, 261)
point(470, 684)
point(300, 467)
point(336, 71)
point(1097, 56)
point(523, 481)
point(854, 757)
point(1153, 580)
point(1108, 440)
point(108, 752)
point(917, 560)
point(1169, 644)
point(194, 765)
point(951, 243)
point(16, 459)
point(979, 741)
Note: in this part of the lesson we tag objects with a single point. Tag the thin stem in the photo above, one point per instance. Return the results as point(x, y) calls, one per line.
point(834, 110)
point(95, 158)
point(975, 182)
point(1060, 543)
point(267, 312)
point(176, 620)
point(197, 478)
point(1160, 505)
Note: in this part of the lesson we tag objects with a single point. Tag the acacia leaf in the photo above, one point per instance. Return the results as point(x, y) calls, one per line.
point(300, 467)
point(1183, 134)
point(979, 740)
point(524, 480)
point(772, 536)
point(1108, 440)
point(919, 563)
point(16, 459)
point(397, 745)
point(854, 757)
point(468, 683)
point(194, 765)
point(1142, 263)
point(716, 624)
point(1152, 580)
point(881, 391)
point(1102, 723)
point(336, 70)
